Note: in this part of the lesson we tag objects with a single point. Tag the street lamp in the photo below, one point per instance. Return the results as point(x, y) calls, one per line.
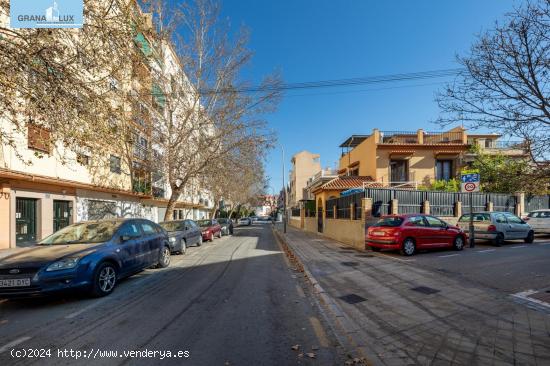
point(284, 191)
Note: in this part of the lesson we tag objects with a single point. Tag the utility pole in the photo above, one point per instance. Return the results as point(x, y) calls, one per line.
point(471, 228)
point(284, 191)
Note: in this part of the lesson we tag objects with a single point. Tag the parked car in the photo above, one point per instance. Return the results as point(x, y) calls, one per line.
point(497, 227)
point(210, 229)
point(409, 233)
point(254, 218)
point(244, 221)
point(92, 256)
point(539, 220)
point(181, 234)
point(227, 226)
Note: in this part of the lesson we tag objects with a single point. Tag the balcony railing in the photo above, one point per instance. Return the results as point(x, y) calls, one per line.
point(140, 152)
point(398, 137)
point(520, 145)
point(421, 137)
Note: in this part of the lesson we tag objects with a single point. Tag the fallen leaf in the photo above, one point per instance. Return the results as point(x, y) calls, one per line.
point(310, 355)
point(296, 347)
point(300, 355)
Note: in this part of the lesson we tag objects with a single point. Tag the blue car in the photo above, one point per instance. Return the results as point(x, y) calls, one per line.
point(91, 255)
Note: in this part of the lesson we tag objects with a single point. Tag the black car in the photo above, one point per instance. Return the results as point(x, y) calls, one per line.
point(227, 226)
point(182, 233)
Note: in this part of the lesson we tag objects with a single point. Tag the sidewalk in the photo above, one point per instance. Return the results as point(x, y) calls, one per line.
point(401, 314)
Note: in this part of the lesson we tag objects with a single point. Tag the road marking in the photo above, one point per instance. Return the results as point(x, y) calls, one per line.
point(319, 331)
point(544, 244)
point(517, 246)
point(448, 255)
point(486, 250)
point(86, 308)
point(14, 343)
point(392, 257)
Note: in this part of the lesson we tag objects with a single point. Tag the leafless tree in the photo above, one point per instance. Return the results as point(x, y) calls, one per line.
point(505, 86)
point(65, 84)
point(204, 116)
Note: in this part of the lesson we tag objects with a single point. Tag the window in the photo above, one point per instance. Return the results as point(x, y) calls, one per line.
point(444, 170)
point(82, 159)
point(354, 172)
point(500, 219)
point(129, 229)
point(148, 229)
point(513, 219)
point(417, 221)
point(114, 163)
point(38, 138)
point(435, 222)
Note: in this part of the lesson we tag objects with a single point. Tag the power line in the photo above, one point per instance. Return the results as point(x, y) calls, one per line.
point(391, 78)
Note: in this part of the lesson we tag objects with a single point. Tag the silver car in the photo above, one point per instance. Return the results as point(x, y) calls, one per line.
point(539, 220)
point(497, 227)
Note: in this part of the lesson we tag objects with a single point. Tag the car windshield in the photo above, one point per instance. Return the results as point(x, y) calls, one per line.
point(173, 225)
point(478, 217)
point(86, 232)
point(204, 223)
point(389, 222)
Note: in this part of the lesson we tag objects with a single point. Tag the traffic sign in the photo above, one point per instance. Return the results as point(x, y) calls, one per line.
point(469, 180)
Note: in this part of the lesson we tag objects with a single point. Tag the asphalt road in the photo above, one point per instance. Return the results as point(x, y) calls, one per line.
point(234, 301)
point(512, 268)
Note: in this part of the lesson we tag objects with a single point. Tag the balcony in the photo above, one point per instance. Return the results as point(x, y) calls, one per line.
point(420, 137)
point(140, 152)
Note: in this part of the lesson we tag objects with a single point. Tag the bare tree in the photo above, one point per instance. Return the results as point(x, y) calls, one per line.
point(203, 115)
point(505, 86)
point(64, 85)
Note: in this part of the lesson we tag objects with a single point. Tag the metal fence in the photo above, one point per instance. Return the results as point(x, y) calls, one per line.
point(536, 202)
point(442, 203)
point(343, 206)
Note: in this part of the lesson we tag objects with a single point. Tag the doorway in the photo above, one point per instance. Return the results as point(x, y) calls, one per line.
point(61, 214)
point(25, 221)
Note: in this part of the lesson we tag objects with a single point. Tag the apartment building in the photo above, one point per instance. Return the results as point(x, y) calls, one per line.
point(41, 193)
point(304, 165)
point(411, 158)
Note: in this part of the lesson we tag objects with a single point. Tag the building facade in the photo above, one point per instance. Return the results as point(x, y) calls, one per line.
point(45, 186)
point(304, 165)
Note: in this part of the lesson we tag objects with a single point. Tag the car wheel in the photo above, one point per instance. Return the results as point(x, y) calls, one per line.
point(199, 243)
point(497, 242)
point(375, 249)
point(211, 237)
point(458, 243)
point(183, 246)
point(408, 248)
point(530, 237)
point(105, 278)
point(164, 259)
point(220, 234)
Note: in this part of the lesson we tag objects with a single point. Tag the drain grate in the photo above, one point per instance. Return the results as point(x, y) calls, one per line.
point(364, 255)
point(425, 290)
point(352, 298)
point(350, 264)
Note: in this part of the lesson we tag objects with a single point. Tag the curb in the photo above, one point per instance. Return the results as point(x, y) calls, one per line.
point(344, 323)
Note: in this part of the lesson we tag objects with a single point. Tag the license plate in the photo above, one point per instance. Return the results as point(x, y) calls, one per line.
point(15, 282)
point(378, 233)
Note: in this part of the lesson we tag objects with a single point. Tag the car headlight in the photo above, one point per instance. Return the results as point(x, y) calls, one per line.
point(172, 239)
point(66, 263)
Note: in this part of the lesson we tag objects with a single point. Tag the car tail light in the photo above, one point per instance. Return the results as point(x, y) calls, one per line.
point(492, 228)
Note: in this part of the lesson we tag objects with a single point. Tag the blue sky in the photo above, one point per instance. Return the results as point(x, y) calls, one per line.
point(310, 40)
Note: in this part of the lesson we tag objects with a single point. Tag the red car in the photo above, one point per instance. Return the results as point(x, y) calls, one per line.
point(210, 229)
point(409, 233)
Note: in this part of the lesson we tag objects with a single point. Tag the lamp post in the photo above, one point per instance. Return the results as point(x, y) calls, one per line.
point(284, 191)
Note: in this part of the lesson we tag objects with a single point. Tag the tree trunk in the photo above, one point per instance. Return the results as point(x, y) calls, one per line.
point(214, 210)
point(171, 204)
